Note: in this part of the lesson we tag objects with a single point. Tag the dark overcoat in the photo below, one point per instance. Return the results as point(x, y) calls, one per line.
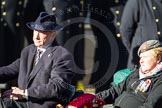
point(135, 93)
point(11, 32)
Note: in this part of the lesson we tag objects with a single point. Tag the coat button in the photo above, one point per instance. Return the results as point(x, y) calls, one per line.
point(53, 9)
point(4, 13)
point(118, 23)
point(3, 3)
point(117, 11)
point(158, 33)
point(157, 20)
point(154, 7)
point(17, 24)
point(118, 35)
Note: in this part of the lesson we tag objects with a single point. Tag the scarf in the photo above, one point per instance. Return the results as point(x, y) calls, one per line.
point(152, 72)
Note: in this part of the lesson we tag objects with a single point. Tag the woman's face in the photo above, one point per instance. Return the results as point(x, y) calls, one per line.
point(148, 61)
point(43, 38)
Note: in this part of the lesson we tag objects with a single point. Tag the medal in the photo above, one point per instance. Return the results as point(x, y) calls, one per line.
point(143, 86)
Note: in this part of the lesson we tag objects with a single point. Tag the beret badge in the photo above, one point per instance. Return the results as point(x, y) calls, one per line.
point(144, 48)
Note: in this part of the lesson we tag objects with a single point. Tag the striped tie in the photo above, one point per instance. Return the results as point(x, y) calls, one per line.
point(38, 56)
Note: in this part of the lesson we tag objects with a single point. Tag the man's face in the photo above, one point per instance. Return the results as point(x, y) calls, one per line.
point(148, 61)
point(43, 38)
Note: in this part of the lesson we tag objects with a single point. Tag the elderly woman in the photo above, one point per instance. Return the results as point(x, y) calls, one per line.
point(143, 88)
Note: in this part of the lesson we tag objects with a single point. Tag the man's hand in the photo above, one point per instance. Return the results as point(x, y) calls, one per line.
point(14, 93)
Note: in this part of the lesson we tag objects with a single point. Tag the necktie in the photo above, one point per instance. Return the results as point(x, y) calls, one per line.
point(38, 56)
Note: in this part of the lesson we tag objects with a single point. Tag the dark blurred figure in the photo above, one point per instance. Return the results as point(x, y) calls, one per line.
point(11, 32)
point(32, 8)
point(103, 51)
point(141, 21)
point(117, 8)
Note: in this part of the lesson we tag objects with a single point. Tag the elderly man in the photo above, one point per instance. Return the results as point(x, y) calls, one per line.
point(143, 88)
point(44, 70)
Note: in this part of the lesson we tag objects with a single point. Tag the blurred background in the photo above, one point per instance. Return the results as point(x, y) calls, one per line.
point(91, 34)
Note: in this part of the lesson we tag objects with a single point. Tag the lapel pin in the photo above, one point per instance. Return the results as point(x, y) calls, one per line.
point(49, 55)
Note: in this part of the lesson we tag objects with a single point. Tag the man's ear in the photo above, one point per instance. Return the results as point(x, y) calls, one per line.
point(159, 59)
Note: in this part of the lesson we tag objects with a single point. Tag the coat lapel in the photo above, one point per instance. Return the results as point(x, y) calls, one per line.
point(44, 60)
point(30, 60)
